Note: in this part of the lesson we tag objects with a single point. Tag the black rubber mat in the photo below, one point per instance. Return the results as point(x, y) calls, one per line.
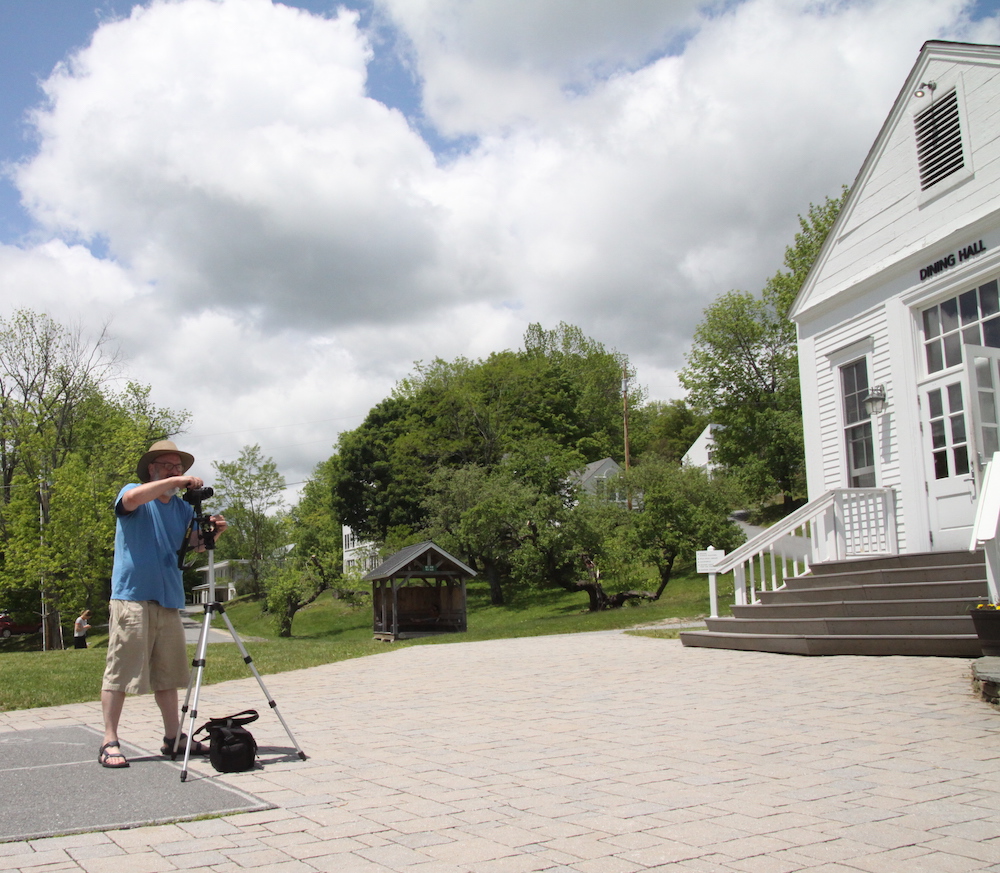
point(53, 785)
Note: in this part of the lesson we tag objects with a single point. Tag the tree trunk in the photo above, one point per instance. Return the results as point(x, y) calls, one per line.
point(600, 599)
point(666, 568)
point(493, 578)
point(285, 620)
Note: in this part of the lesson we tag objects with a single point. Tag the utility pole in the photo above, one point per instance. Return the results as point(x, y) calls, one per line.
point(628, 493)
point(41, 559)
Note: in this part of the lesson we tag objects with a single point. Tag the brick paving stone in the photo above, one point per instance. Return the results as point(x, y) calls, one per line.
point(187, 846)
point(257, 857)
point(33, 860)
point(143, 862)
point(608, 865)
point(516, 753)
point(198, 860)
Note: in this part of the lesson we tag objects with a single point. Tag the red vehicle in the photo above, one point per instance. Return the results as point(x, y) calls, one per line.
point(8, 627)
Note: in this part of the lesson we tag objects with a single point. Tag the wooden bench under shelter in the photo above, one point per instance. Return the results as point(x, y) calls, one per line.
point(419, 591)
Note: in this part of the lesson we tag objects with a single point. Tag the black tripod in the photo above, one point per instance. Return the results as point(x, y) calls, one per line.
point(206, 527)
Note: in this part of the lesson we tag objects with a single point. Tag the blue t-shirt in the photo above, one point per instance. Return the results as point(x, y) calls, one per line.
point(146, 544)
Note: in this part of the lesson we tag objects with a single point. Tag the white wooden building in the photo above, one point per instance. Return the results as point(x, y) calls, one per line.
point(702, 451)
point(360, 555)
point(903, 304)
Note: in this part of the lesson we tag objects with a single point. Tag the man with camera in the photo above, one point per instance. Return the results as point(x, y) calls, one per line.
point(146, 646)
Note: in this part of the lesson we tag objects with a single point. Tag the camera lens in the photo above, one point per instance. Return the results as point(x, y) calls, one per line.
point(196, 495)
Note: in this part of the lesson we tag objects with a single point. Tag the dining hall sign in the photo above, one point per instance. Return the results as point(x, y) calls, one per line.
point(964, 254)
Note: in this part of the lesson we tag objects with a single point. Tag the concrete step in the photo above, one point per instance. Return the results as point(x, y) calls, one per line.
point(913, 559)
point(901, 605)
point(881, 625)
point(969, 589)
point(936, 645)
point(890, 575)
point(859, 608)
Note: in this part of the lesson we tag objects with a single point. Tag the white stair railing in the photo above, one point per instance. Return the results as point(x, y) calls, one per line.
point(839, 525)
point(984, 530)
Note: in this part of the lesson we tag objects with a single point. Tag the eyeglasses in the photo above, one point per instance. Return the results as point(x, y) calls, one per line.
point(177, 468)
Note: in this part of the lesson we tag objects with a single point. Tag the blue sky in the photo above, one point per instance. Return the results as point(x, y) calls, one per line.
point(315, 202)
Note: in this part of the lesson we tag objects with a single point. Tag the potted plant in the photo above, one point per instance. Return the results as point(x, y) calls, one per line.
point(986, 618)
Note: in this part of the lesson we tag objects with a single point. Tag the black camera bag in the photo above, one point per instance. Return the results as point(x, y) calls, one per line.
point(231, 747)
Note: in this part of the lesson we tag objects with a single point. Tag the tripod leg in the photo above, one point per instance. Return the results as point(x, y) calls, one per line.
point(187, 695)
point(253, 669)
point(199, 671)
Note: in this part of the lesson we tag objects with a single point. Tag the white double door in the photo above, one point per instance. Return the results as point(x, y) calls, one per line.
point(960, 429)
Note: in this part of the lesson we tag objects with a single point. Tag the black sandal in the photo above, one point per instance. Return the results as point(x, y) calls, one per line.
point(197, 747)
point(103, 756)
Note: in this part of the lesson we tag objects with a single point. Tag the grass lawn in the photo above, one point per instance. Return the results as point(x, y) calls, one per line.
point(329, 631)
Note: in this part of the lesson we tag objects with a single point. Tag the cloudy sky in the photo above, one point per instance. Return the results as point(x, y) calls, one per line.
point(277, 209)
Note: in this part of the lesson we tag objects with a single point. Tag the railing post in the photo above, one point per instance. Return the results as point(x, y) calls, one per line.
point(839, 539)
point(707, 562)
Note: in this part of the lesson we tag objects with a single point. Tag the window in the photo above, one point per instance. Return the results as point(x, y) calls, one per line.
point(858, 426)
point(972, 318)
point(949, 440)
point(939, 141)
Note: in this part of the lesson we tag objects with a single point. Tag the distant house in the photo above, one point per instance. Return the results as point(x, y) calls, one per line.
point(229, 575)
point(702, 450)
point(595, 478)
point(360, 556)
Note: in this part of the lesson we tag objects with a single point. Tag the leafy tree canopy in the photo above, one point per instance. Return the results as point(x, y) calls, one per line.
point(742, 371)
point(562, 387)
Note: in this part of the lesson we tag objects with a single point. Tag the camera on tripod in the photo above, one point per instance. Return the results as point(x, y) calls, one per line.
point(201, 522)
point(195, 496)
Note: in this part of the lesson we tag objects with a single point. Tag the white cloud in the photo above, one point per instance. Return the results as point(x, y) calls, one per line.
point(282, 247)
point(487, 65)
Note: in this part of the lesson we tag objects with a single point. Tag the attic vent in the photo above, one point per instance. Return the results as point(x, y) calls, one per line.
point(939, 141)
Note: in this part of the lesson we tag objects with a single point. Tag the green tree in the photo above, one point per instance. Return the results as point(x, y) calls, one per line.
point(317, 558)
point(682, 511)
point(562, 387)
point(509, 523)
point(666, 430)
point(293, 586)
point(742, 372)
point(248, 491)
point(315, 527)
point(481, 518)
point(378, 476)
point(67, 444)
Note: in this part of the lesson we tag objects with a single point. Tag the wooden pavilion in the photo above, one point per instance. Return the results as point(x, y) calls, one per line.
point(418, 591)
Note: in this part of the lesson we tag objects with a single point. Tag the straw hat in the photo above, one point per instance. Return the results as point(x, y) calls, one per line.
point(163, 447)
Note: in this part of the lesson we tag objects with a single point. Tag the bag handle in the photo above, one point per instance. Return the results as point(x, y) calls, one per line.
point(237, 720)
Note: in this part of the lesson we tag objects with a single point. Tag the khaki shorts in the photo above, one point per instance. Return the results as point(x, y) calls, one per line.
point(146, 649)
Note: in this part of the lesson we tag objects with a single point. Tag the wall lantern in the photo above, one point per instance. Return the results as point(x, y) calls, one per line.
point(924, 87)
point(875, 401)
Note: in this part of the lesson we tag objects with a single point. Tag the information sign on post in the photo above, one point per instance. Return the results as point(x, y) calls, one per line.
point(707, 561)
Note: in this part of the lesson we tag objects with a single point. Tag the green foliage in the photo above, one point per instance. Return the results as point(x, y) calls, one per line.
point(666, 430)
point(682, 511)
point(248, 490)
point(511, 522)
point(293, 586)
point(67, 445)
point(742, 371)
point(315, 527)
point(563, 389)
